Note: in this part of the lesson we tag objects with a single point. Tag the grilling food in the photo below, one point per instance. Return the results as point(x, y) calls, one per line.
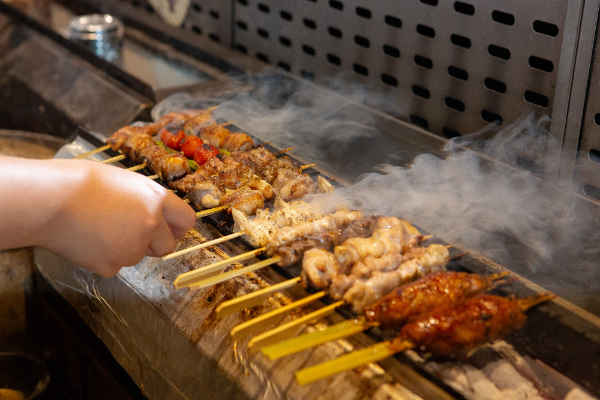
point(117, 139)
point(235, 181)
point(446, 330)
point(436, 289)
point(397, 308)
point(322, 270)
point(247, 173)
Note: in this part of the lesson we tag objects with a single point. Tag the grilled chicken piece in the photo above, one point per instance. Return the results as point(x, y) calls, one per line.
point(274, 168)
point(237, 141)
point(392, 236)
point(328, 222)
point(365, 292)
point(195, 125)
point(172, 167)
point(117, 139)
point(206, 193)
point(323, 186)
point(297, 188)
point(261, 227)
point(243, 199)
point(283, 176)
point(413, 299)
point(319, 267)
point(134, 145)
point(233, 178)
point(294, 252)
point(215, 135)
point(454, 329)
point(257, 183)
point(151, 156)
point(210, 168)
point(257, 158)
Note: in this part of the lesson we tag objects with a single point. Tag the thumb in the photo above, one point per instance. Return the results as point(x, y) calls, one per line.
point(180, 217)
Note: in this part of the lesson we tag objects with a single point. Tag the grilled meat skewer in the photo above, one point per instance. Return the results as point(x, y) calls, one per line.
point(392, 311)
point(406, 302)
point(446, 330)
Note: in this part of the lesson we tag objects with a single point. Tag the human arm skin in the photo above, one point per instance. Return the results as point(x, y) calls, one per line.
point(98, 216)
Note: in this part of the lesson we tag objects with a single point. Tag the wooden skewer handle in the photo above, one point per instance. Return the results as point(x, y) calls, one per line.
point(346, 362)
point(316, 338)
point(235, 273)
point(137, 167)
point(288, 330)
point(89, 153)
point(211, 211)
point(201, 246)
point(262, 321)
point(303, 167)
point(114, 159)
point(191, 277)
point(252, 299)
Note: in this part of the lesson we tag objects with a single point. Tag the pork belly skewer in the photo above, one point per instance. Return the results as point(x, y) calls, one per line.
point(446, 330)
point(395, 309)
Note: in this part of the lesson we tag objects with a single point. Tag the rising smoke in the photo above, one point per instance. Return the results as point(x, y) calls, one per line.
point(508, 209)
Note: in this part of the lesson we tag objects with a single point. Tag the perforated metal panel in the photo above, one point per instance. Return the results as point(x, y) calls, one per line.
point(587, 171)
point(449, 66)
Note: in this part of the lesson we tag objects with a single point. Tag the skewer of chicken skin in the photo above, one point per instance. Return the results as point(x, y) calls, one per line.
point(395, 309)
point(446, 330)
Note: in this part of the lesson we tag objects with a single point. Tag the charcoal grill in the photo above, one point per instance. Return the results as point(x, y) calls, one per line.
point(433, 70)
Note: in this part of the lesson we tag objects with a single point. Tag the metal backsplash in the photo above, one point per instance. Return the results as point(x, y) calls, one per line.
point(450, 67)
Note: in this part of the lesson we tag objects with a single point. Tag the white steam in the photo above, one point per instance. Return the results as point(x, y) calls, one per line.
point(489, 191)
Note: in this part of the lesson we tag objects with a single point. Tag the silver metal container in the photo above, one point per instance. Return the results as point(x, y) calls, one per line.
point(101, 33)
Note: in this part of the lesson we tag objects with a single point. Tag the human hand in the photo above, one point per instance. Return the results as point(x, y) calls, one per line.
point(98, 216)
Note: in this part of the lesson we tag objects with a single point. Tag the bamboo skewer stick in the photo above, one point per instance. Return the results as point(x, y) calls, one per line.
point(253, 299)
point(235, 273)
point(313, 339)
point(202, 245)
point(191, 277)
point(153, 177)
point(288, 330)
point(380, 351)
point(280, 152)
point(211, 211)
point(272, 317)
point(337, 331)
point(376, 352)
point(114, 159)
point(137, 167)
point(89, 153)
point(303, 167)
